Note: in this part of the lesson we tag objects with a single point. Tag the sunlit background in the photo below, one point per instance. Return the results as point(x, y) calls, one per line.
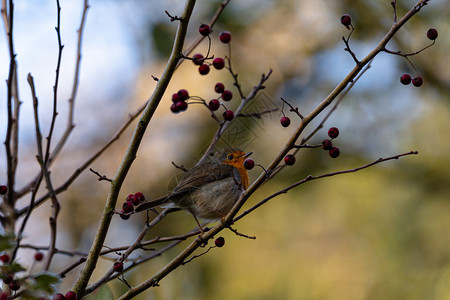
point(381, 233)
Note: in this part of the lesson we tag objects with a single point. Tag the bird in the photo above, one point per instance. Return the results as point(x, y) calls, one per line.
point(209, 190)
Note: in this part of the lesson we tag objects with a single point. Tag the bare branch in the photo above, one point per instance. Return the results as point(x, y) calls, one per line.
point(310, 178)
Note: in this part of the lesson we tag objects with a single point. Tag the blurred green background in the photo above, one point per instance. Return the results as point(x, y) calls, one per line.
point(381, 233)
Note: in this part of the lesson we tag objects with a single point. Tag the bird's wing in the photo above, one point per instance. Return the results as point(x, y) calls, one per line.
point(202, 174)
point(195, 178)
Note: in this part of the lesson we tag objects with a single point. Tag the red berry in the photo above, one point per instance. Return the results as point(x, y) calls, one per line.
point(181, 106)
point(220, 241)
point(227, 95)
point(134, 200)
point(140, 196)
point(432, 34)
point(118, 266)
point(127, 207)
point(4, 258)
point(174, 108)
point(58, 296)
point(175, 98)
point(124, 216)
point(4, 296)
point(417, 81)
point(3, 189)
point(333, 132)
point(327, 145)
point(214, 105)
point(228, 115)
point(346, 20)
point(14, 285)
point(289, 159)
point(197, 59)
point(7, 278)
point(225, 37)
point(405, 79)
point(219, 87)
point(183, 94)
point(204, 30)
point(249, 163)
point(334, 152)
point(38, 256)
point(203, 69)
point(71, 295)
point(285, 121)
point(219, 63)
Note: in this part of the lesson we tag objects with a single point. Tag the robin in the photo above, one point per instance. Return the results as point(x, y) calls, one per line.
point(209, 190)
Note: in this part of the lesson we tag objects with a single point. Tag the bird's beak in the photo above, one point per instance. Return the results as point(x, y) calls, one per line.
point(247, 154)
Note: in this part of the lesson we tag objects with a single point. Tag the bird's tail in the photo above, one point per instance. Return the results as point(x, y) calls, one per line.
point(151, 204)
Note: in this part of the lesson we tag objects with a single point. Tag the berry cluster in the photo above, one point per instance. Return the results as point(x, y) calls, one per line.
point(406, 79)
point(180, 99)
point(131, 201)
point(417, 81)
point(334, 152)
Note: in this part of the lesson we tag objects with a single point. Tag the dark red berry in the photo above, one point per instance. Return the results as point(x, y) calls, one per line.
point(333, 132)
point(181, 106)
point(135, 200)
point(118, 266)
point(327, 145)
point(405, 79)
point(71, 295)
point(289, 159)
point(38, 256)
point(225, 37)
point(220, 241)
point(219, 63)
point(4, 258)
point(127, 207)
point(3, 189)
point(14, 285)
point(174, 108)
point(334, 152)
point(7, 278)
point(214, 105)
point(228, 115)
point(227, 95)
point(417, 81)
point(249, 163)
point(197, 59)
point(183, 94)
point(175, 98)
point(346, 20)
point(204, 30)
point(219, 87)
point(432, 34)
point(124, 216)
point(4, 296)
point(58, 296)
point(285, 121)
point(140, 196)
point(203, 69)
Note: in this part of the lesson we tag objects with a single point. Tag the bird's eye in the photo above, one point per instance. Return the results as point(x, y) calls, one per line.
point(230, 157)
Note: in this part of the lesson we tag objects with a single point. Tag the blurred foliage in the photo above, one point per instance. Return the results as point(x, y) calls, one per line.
point(377, 234)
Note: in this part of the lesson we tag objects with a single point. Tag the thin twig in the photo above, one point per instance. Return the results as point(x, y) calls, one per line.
point(310, 178)
point(408, 54)
point(100, 176)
